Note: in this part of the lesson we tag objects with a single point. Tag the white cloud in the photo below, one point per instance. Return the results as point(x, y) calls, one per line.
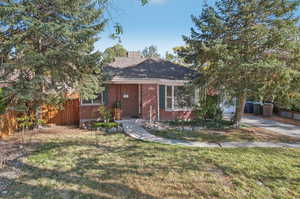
point(158, 1)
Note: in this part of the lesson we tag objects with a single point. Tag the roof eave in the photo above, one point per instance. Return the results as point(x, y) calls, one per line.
point(120, 80)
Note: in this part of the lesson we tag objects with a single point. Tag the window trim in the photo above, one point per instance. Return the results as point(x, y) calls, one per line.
point(166, 97)
point(173, 101)
point(93, 104)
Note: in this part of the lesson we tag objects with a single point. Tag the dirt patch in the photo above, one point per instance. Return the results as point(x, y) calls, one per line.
point(265, 135)
point(278, 119)
point(10, 151)
point(17, 145)
point(285, 120)
point(251, 134)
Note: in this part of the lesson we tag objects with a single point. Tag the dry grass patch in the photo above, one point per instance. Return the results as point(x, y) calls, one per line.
point(232, 135)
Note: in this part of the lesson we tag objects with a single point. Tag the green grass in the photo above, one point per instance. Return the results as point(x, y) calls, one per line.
point(210, 124)
point(107, 125)
point(85, 165)
point(229, 135)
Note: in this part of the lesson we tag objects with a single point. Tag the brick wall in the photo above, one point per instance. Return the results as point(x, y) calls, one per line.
point(148, 98)
point(89, 112)
point(115, 93)
point(173, 115)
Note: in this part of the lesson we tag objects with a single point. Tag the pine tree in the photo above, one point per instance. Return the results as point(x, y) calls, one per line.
point(246, 47)
point(115, 51)
point(174, 57)
point(150, 52)
point(49, 47)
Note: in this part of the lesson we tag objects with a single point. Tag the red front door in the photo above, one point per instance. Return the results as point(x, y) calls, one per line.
point(130, 100)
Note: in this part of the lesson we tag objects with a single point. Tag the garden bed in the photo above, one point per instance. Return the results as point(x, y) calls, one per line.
point(109, 127)
point(193, 125)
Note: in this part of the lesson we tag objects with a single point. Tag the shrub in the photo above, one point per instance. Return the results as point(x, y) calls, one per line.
point(104, 114)
point(25, 122)
point(209, 108)
point(291, 103)
point(107, 125)
point(210, 124)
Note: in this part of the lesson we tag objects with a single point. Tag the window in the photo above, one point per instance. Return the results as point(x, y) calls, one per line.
point(98, 100)
point(169, 97)
point(179, 98)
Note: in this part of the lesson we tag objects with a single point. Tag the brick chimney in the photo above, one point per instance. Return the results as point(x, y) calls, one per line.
point(131, 54)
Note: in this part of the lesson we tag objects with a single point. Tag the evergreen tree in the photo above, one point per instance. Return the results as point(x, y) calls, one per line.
point(170, 56)
point(150, 52)
point(112, 52)
point(49, 46)
point(174, 57)
point(246, 47)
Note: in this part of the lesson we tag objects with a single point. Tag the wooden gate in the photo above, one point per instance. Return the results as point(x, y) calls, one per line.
point(68, 115)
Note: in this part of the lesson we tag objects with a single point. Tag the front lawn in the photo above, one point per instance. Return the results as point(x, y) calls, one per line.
point(80, 164)
point(226, 135)
point(210, 124)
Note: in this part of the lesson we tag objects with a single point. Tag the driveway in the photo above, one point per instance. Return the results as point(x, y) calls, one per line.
point(278, 127)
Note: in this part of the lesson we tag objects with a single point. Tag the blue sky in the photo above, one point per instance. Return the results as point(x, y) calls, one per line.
point(161, 23)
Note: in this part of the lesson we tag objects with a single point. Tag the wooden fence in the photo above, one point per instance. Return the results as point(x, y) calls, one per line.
point(8, 124)
point(68, 115)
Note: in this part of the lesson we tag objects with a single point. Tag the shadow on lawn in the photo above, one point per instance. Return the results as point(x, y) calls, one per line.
point(74, 183)
point(80, 181)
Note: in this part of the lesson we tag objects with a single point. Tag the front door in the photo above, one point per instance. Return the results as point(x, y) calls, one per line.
point(130, 100)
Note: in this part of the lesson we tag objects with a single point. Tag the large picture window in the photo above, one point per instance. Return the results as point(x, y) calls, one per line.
point(97, 101)
point(179, 98)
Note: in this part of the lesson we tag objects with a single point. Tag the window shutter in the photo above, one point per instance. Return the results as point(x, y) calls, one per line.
point(162, 97)
point(105, 96)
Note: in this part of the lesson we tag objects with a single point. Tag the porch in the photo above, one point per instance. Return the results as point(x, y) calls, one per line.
point(137, 100)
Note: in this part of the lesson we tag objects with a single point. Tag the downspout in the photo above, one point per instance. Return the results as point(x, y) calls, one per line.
point(158, 97)
point(139, 94)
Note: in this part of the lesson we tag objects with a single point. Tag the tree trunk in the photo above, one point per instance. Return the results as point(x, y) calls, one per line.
point(38, 117)
point(239, 110)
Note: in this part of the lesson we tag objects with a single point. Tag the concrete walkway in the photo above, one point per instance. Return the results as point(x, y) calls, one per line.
point(134, 129)
point(278, 127)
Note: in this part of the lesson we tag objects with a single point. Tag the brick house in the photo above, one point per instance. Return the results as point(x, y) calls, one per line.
point(145, 88)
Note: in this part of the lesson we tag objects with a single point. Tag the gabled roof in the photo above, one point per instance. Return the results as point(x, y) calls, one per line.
point(124, 62)
point(152, 68)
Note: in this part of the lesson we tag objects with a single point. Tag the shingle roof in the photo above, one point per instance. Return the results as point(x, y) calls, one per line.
point(123, 62)
point(149, 68)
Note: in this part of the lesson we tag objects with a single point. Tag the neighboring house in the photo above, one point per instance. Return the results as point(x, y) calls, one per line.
point(146, 88)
